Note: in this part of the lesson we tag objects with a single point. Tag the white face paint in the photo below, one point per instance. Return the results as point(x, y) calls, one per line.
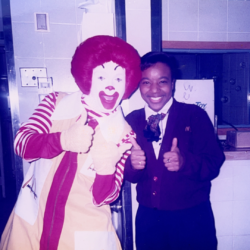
point(108, 87)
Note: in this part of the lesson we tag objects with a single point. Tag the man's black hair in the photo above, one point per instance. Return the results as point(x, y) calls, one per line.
point(152, 58)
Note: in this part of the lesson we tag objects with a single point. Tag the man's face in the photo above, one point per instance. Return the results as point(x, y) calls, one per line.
point(156, 86)
point(108, 86)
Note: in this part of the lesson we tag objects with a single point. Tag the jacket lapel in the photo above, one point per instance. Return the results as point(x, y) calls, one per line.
point(169, 132)
point(144, 141)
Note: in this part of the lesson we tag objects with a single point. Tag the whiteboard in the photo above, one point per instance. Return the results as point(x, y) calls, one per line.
point(198, 92)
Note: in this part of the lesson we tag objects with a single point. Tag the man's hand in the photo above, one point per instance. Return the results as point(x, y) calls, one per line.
point(173, 160)
point(138, 158)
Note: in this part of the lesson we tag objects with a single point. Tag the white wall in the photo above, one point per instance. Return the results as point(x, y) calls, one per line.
point(230, 199)
point(138, 27)
point(52, 50)
point(138, 30)
point(206, 20)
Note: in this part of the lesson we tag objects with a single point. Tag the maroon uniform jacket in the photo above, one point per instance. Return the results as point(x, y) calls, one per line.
point(203, 156)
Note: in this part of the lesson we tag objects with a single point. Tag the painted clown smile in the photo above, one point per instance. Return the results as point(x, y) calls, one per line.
point(108, 101)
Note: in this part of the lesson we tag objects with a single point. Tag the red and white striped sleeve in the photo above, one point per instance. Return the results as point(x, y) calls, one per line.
point(106, 188)
point(35, 132)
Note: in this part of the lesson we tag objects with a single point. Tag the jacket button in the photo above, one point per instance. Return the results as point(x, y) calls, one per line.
point(154, 193)
point(155, 178)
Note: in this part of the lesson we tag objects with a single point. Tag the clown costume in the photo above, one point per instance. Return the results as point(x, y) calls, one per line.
point(77, 145)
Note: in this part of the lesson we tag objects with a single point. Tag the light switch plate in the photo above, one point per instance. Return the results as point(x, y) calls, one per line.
point(29, 76)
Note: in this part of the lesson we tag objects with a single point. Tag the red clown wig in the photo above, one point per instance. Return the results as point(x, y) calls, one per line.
point(98, 50)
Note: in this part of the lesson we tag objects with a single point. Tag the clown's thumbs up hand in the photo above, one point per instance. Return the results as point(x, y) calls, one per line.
point(173, 160)
point(138, 158)
point(78, 138)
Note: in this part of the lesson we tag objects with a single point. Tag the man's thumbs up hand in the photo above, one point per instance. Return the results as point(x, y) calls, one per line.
point(174, 145)
point(138, 158)
point(134, 143)
point(173, 160)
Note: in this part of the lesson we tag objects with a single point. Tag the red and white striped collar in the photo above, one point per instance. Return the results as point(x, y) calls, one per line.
point(94, 113)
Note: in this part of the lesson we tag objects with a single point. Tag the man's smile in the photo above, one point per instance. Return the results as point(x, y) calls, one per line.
point(155, 99)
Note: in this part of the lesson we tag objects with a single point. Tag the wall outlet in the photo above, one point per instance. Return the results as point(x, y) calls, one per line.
point(45, 86)
point(29, 76)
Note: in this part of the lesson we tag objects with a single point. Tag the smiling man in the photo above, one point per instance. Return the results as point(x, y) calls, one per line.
point(173, 160)
point(156, 85)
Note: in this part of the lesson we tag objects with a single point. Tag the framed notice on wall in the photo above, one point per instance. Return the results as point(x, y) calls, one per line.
point(198, 92)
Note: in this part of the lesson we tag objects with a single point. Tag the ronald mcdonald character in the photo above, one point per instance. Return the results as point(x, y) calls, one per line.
point(77, 145)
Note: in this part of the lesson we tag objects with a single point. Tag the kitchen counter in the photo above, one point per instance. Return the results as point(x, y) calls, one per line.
point(237, 154)
point(232, 153)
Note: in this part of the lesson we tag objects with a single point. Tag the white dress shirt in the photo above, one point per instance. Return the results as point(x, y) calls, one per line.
point(162, 123)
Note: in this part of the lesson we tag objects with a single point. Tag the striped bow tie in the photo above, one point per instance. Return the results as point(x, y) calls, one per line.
point(152, 130)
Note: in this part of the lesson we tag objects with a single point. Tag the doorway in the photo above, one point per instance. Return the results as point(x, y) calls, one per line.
point(8, 181)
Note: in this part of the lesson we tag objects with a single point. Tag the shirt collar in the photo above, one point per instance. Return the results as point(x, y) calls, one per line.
point(164, 110)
